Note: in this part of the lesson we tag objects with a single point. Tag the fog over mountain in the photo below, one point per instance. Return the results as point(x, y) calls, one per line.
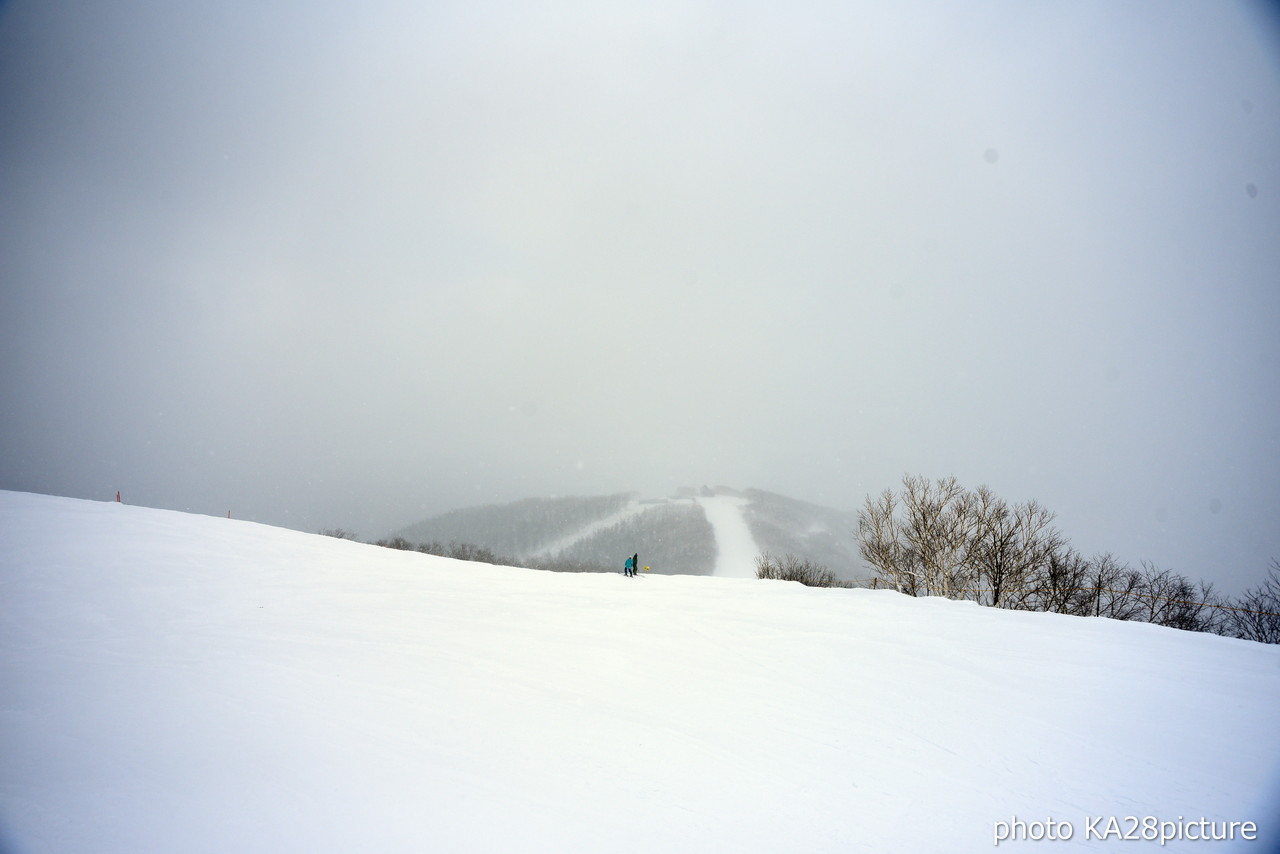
point(672, 534)
point(320, 265)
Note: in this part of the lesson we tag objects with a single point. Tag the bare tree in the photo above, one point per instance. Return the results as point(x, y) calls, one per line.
point(1255, 615)
point(1056, 584)
point(992, 548)
point(939, 539)
point(882, 545)
point(1113, 589)
point(937, 532)
point(948, 541)
point(1213, 614)
point(1171, 599)
point(1009, 547)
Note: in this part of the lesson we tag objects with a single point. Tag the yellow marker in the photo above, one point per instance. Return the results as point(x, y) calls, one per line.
point(646, 569)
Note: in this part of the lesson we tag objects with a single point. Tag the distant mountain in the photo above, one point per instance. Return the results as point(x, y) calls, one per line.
point(783, 525)
point(522, 529)
point(672, 534)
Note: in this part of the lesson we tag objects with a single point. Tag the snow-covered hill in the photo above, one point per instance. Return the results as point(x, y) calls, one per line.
point(177, 683)
point(695, 532)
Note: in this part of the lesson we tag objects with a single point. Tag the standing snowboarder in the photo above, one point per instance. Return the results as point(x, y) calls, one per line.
point(629, 568)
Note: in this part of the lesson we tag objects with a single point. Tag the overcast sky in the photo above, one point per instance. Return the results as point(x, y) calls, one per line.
point(329, 264)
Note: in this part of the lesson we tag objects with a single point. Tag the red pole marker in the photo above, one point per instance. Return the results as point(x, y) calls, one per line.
point(117, 496)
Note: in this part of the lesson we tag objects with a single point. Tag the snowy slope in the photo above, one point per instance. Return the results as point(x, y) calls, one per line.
point(176, 683)
point(566, 541)
point(736, 549)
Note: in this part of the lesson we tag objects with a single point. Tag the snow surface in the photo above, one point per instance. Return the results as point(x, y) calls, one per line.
point(178, 683)
point(736, 549)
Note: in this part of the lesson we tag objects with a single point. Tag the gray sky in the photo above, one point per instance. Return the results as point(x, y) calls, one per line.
point(328, 264)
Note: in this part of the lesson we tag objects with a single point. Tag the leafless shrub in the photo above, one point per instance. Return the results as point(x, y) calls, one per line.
point(563, 564)
point(791, 568)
